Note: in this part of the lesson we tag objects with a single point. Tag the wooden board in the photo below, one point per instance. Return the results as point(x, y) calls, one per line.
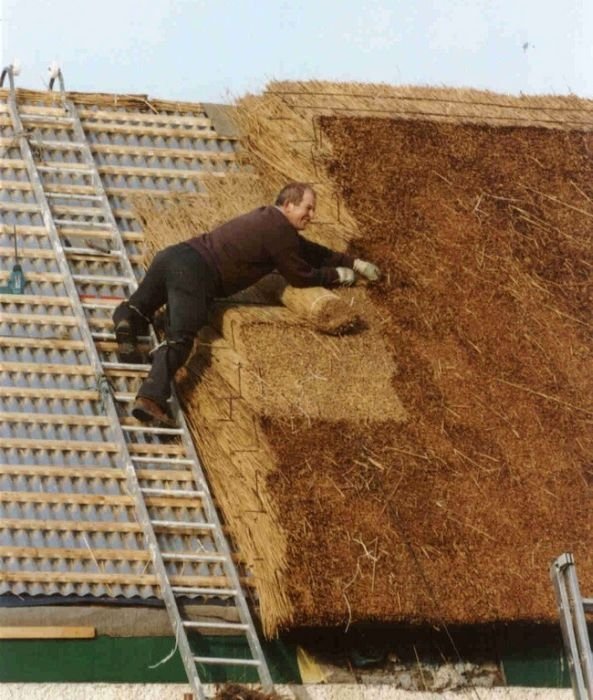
point(148, 152)
point(167, 131)
point(82, 553)
point(46, 343)
point(85, 526)
point(38, 393)
point(24, 230)
point(15, 185)
point(53, 632)
point(61, 445)
point(91, 116)
point(145, 171)
point(34, 299)
point(83, 499)
point(13, 163)
point(49, 277)
point(44, 368)
point(53, 419)
point(95, 578)
point(40, 319)
point(84, 472)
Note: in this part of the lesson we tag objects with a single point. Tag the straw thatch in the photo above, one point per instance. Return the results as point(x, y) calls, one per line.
point(450, 509)
point(239, 463)
point(314, 99)
point(289, 371)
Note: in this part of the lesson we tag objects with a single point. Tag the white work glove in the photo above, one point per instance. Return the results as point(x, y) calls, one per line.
point(346, 276)
point(367, 269)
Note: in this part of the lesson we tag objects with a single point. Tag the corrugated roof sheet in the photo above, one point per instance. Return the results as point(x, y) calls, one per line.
point(67, 524)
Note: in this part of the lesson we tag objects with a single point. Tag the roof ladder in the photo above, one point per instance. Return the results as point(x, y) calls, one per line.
point(572, 607)
point(95, 280)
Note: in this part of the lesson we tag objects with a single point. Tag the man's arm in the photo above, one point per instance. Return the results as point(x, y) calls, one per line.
point(306, 264)
point(299, 273)
point(319, 256)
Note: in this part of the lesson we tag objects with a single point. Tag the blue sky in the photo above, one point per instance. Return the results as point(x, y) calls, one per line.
point(208, 50)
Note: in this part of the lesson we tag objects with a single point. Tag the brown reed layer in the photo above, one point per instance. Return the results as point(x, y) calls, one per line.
point(485, 235)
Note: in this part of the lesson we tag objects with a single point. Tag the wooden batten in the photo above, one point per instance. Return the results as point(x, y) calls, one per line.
point(144, 171)
point(131, 117)
point(92, 578)
point(47, 632)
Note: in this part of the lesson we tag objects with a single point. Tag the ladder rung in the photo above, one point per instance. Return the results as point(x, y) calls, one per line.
point(124, 397)
point(172, 524)
point(85, 224)
point(206, 558)
point(46, 118)
point(195, 590)
point(127, 366)
point(105, 335)
point(66, 195)
point(151, 429)
point(78, 210)
point(216, 625)
point(100, 335)
point(105, 279)
point(222, 661)
point(162, 460)
point(103, 304)
point(81, 168)
point(181, 493)
point(70, 250)
point(57, 145)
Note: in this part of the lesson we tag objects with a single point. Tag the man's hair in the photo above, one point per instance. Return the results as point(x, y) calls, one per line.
point(293, 193)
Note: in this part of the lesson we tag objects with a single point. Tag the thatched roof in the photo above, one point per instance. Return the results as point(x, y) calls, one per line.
point(424, 468)
point(481, 225)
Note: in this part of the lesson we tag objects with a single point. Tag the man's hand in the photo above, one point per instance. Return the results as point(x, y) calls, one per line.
point(367, 269)
point(346, 276)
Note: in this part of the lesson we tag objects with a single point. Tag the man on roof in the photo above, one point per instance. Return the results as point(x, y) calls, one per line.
point(189, 275)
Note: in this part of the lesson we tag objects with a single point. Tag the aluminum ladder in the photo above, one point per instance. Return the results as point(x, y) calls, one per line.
point(572, 607)
point(91, 257)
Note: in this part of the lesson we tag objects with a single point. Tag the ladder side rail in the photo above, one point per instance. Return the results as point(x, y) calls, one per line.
point(131, 475)
point(196, 467)
point(54, 238)
point(107, 397)
point(571, 648)
point(582, 633)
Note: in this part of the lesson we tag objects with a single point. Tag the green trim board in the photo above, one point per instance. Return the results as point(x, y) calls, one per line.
point(129, 660)
point(531, 661)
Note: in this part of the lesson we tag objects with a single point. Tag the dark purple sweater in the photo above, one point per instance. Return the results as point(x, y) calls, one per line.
point(248, 247)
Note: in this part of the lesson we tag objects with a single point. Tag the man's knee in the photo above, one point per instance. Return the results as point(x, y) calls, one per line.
point(129, 314)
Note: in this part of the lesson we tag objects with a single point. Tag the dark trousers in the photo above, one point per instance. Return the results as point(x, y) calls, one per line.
point(179, 278)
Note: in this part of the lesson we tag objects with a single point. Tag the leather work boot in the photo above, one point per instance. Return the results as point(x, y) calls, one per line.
point(128, 325)
point(148, 411)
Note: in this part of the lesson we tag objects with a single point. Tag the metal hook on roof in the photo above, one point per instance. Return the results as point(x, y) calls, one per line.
point(11, 71)
point(54, 72)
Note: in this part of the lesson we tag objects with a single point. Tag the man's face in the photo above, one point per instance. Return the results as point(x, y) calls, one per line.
point(300, 215)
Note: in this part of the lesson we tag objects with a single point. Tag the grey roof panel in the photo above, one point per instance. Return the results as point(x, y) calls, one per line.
point(67, 525)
